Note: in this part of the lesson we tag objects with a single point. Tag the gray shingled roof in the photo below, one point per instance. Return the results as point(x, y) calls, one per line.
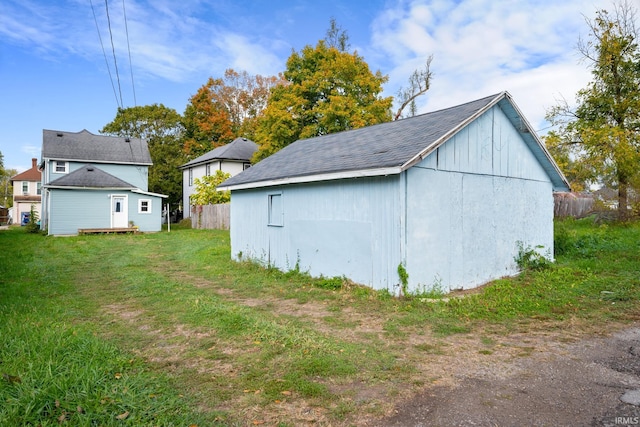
point(84, 146)
point(240, 149)
point(384, 145)
point(388, 147)
point(90, 176)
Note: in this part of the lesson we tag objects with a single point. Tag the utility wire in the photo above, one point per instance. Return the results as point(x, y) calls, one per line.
point(113, 49)
point(104, 53)
point(126, 27)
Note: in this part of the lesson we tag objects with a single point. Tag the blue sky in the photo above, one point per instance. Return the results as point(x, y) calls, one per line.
point(53, 73)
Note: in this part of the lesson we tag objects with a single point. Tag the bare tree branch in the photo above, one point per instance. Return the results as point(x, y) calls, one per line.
point(419, 83)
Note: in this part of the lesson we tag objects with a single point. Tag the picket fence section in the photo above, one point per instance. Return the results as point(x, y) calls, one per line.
point(211, 216)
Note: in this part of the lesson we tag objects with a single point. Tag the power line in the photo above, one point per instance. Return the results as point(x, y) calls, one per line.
point(126, 28)
point(104, 53)
point(113, 49)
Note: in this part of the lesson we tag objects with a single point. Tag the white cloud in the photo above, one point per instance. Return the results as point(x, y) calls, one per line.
point(168, 40)
point(482, 47)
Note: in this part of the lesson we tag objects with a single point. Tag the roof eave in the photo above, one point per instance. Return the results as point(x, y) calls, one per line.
point(149, 193)
point(117, 162)
point(213, 160)
point(394, 170)
point(76, 187)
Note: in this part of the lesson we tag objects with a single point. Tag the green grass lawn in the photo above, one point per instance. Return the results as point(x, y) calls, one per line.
point(164, 329)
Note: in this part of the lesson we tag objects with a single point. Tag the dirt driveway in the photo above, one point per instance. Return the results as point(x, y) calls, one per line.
point(590, 382)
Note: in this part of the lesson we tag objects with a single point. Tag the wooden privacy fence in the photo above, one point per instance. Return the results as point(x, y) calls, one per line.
point(572, 205)
point(211, 216)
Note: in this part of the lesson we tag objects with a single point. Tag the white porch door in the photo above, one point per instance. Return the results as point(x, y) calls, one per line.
point(119, 212)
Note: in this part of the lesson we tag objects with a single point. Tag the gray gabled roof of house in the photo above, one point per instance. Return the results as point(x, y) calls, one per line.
point(384, 149)
point(89, 176)
point(240, 149)
point(84, 146)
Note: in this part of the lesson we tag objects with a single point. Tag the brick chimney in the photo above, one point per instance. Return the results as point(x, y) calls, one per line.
point(34, 163)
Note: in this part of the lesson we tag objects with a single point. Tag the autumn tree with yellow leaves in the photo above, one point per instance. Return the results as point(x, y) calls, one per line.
point(327, 90)
point(599, 140)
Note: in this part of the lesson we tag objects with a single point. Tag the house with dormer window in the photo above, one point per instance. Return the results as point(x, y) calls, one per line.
point(96, 182)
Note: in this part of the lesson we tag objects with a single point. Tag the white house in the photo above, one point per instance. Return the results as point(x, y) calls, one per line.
point(232, 158)
point(449, 195)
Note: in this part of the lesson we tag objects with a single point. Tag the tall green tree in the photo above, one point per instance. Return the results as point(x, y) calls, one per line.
point(6, 189)
point(328, 90)
point(161, 127)
point(601, 135)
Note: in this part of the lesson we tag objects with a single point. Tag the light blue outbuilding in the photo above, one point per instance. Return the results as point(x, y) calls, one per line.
point(449, 195)
point(96, 182)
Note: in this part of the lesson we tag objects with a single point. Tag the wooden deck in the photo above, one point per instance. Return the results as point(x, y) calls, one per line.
point(108, 230)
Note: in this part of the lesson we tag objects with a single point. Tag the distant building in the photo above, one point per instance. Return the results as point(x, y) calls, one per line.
point(27, 192)
point(232, 158)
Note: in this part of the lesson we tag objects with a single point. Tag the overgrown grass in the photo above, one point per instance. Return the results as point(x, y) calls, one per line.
point(164, 329)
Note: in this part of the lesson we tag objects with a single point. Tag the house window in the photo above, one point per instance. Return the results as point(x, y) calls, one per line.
point(208, 169)
point(39, 188)
point(60, 167)
point(190, 177)
point(246, 166)
point(144, 206)
point(25, 187)
point(276, 212)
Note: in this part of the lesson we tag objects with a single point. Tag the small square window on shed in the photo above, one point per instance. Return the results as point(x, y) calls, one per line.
point(276, 212)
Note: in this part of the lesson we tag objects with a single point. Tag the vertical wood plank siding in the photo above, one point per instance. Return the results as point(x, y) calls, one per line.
point(339, 228)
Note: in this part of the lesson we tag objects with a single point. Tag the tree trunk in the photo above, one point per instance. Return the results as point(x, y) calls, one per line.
point(623, 202)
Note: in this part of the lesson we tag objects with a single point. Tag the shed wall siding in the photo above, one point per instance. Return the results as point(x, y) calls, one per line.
point(340, 228)
point(463, 230)
point(469, 204)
